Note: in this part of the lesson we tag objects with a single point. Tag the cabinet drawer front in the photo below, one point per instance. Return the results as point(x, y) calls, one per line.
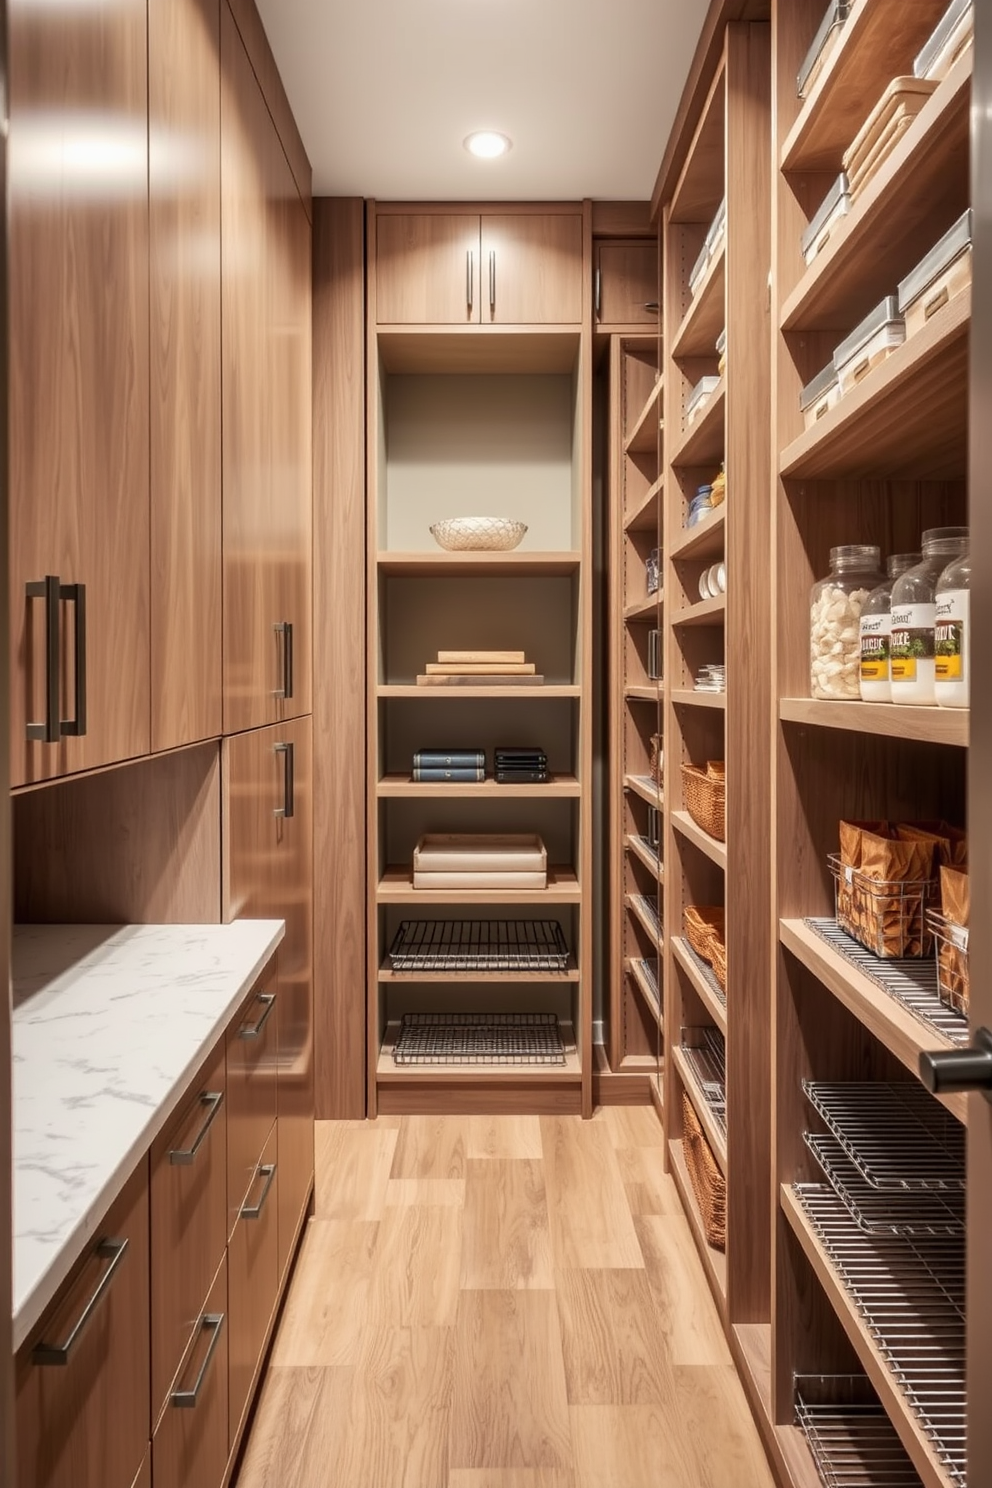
point(251, 1088)
point(253, 1279)
point(188, 1219)
point(295, 1125)
point(428, 269)
point(191, 1441)
point(85, 1424)
point(628, 283)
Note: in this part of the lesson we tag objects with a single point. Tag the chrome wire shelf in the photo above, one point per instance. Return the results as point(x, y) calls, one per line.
point(649, 847)
point(705, 971)
point(911, 1297)
point(910, 1212)
point(898, 1137)
point(912, 982)
point(479, 945)
point(706, 1057)
point(852, 1441)
point(649, 907)
point(650, 988)
point(479, 1038)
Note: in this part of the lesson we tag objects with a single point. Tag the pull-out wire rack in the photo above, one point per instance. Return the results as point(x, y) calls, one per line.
point(479, 945)
point(852, 1441)
point(705, 1052)
point(649, 907)
point(705, 970)
point(897, 1136)
point(908, 1211)
point(910, 1294)
point(479, 1038)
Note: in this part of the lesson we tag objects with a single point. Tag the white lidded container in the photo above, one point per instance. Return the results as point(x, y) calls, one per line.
point(952, 634)
point(834, 614)
point(819, 395)
point(869, 343)
point(834, 207)
point(821, 47)
point(952, 34)
point(935, 281)
point(699, 397)
point(914, 617)
point(876, 631)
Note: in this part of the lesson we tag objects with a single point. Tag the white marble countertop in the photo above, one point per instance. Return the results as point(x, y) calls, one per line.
point(110, 1025)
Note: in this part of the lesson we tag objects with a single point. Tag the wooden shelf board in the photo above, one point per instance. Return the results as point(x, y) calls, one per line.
point(636, 847)
point(649, 694)
point(390, 1073)
point(474, 348)
point(751, 1344)
point(644, 609)
point(877, 428)
point(706, 612)
point(924, 182)
point(700, 184)
point(714, 1261)
point(644, 517)
point(511, 978)
point(888, 720)
point(643, 437)
point(460, 565)
point(704, 991)
point(396, 887)
point(703, 444)
point(884, 1017)
point(906, 1423)
point(715, 1137)
point(706, 540)
point(656, 1085)
point(715, 851)
point(645, 791)
point(688, 696)
point(644, 920)
point(411, 690)
point(653, 1004)
point(840, 99)
point(401, 786)
point(706, 316)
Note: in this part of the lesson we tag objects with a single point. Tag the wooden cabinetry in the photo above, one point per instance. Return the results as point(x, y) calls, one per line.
point(82, 1378)
point(625, 282)
point(266, 409)
point(79, 447)
point(253, 1282)
point(468, 268)
point(191, 1443)
point(251, 1089)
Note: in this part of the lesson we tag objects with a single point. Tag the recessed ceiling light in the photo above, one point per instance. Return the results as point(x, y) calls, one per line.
point(487, 145)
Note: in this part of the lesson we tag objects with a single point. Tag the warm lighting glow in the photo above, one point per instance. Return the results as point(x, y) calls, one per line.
point(487, 145)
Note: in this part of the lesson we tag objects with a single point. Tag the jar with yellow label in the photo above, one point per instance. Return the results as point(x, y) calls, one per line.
point(914, 617)
point(952, 636)
point(876, 629)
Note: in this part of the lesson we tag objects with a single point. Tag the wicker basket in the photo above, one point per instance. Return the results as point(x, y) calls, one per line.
point(703, 924)
point(708, 1183)
point(705, 796)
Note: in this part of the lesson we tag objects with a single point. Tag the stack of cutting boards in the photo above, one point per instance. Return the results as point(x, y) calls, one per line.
point(480, 669)
point(474, 860)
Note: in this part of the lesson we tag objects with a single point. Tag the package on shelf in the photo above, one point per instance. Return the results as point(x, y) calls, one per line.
point(819, 395)
point(952, 35)
point(869, 343)
point(822, 45)
point(885, 881)
point(711, 244)
point(884, 127)
point(718, 491)
point(699, 397)
point(944, 273)
point(450, 860)
point(951, 928)
point(832, 210)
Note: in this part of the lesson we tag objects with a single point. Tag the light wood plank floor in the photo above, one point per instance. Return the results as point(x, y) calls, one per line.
point(500, 1302)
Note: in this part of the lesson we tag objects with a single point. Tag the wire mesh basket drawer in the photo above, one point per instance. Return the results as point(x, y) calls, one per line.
point(479, 1038)
point(888, 919)
point(479, 945)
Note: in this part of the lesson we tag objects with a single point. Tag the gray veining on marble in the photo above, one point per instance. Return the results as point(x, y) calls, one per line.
point(110, 1025)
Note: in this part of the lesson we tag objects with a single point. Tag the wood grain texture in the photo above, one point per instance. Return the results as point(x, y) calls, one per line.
point(135, 846)
point(78, 267)
point(577, 1161)
point(502, 1136)
point(326, 1310)
point(144, 1477)
point(423, 268)
point(185, 403)
point(536, 269)
point(418, 1263)
point(339, 682)
point(253, 1281)
point(191, 1446)
point(614, 1353)
point(506, 1240)
point(430, 1147)
point(628, 282)
point(686, 1314)
point(297, 1427)
point(353, 1162)
point(397, 1427)
point(256, 44)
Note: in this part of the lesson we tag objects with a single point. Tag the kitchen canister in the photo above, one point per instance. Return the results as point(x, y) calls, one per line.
point(876, 631)
point(914, 617)
point(835, 617)
point(952, 634)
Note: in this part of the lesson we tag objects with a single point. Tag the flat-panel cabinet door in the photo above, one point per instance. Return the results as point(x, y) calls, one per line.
point(428, 269)
point(184, 195)
point(191, 1445)
point(532, 269)
point(626, 283)
point(82, 1378)
point(78, 403)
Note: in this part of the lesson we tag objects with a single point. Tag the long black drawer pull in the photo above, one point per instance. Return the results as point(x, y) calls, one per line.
point(182, 1157)
point(288, 807)
point(49, 589)
point(254, 1030)
point(76, 594)
point(45, 1353)
point(285, 629)
point(268, 1172)
point(188, 1399)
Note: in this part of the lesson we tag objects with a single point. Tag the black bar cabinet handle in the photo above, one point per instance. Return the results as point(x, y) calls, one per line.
point(598, 296)
point(285, 629)
point(49, 589)
point(948, 1071)
point(211, 1322)
point(288, 807)
point(76, 595)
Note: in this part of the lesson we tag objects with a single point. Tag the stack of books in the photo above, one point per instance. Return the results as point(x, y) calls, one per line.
point(449, 764)
point(480, 669)
point(520, 766)
point(459, 860)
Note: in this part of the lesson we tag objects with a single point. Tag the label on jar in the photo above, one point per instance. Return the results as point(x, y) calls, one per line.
point(950, 636)
point(912, 640)
point(875, 648)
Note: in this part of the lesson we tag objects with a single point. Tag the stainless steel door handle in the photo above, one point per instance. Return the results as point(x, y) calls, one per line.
point(50, 590)
point(492, 281)
point(44, 1353)
point(947, 1071)
point(469, 279)
point(254, 1211)
point(254, 1030)
point(188, 1399)
point(182, 1157)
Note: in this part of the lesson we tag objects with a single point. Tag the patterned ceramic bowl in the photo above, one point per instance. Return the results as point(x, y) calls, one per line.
point(478, 534)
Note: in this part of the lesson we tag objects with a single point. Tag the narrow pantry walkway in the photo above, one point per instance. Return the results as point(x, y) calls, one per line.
point(500, 1302)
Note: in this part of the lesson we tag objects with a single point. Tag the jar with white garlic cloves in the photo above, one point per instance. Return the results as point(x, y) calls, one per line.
point(835, 621)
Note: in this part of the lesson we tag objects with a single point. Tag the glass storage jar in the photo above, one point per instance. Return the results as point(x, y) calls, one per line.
point(914, 617)
point(876, 631)
point(952, 635)
point(834, 620)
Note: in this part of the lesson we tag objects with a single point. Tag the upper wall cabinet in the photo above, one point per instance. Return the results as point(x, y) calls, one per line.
point(79, 444)
point(266, 409)
point(625, 284)
point(467, 268)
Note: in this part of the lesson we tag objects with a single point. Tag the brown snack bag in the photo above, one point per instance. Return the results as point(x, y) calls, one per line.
point(936, 832)
point(955, 896)
point(890, 860)
point(850, 839)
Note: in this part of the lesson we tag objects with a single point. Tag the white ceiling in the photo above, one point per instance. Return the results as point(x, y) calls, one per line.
point(385, 91)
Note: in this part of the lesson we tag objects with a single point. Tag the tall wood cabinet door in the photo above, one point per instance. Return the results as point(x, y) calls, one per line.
point(428, 269)
point(626, 286)
point(78, 399)
point(191, 1444)
point(532, 269)
point(184, 195)
point(84, 1421)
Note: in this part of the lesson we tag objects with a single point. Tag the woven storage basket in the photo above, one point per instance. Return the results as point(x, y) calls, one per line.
point(702, 923)
point(705, 796)
point(708, 1183)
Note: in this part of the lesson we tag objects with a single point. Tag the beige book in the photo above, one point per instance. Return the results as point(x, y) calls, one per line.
point(480, 668)
point(460, 679)
point(479, 880)
point(473, 852)
point(469, 656)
